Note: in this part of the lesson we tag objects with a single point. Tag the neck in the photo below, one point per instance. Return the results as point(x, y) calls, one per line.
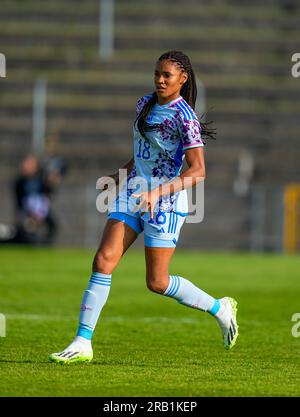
point(166, 100)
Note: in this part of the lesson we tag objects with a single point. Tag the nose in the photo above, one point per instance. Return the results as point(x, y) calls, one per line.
point(159, 79)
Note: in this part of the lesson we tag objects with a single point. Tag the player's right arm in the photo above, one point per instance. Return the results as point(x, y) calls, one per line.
point(102, 182)
point(129, 166)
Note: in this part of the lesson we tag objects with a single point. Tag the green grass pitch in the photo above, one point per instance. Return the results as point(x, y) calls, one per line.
point(146, 344)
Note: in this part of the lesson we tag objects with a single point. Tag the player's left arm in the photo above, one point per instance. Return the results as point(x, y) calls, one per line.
point(196, 169)
point(190, 177)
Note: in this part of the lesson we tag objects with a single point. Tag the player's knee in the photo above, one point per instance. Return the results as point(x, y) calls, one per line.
point(157, 284)
point(104, 261)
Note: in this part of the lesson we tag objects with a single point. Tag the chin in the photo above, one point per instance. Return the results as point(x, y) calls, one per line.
point(161, 94)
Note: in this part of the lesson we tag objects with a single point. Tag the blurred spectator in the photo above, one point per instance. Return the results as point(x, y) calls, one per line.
point(36, 223)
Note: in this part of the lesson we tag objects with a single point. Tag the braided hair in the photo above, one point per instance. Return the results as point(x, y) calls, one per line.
point(188, 92)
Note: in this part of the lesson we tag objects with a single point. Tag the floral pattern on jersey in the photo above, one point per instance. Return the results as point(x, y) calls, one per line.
point(166, 203)
point(130, 176)
point(132, 173)
point(169, 129)
point(171, 133)
point(165, 165)
point(190, 132)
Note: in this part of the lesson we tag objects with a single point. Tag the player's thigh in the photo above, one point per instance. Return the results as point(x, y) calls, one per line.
point(157, 267)
point(117, 237)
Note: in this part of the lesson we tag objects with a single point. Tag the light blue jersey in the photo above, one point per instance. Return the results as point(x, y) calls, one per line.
point(171, 129)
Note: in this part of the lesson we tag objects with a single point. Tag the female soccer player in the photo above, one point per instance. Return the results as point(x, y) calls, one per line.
point(165, 131)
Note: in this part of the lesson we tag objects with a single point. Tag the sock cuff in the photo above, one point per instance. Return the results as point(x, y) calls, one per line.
point(173, 286)
point(100, 279)
point(100, 275)
point(215, 308)
point(85, 331)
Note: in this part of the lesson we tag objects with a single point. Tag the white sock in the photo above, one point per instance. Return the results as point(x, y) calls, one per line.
point(82, 341)
point(93, 301)
point(188, 294)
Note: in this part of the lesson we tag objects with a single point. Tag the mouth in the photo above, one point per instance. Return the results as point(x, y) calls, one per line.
point(160, 88)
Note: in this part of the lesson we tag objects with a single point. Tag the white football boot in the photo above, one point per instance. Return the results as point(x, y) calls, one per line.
point(226, 318)
point(80, 350)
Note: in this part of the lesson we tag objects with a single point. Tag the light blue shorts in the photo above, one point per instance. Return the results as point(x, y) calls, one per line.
point(162, 231)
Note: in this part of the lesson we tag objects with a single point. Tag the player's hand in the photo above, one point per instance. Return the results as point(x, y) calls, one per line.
point(146, 201)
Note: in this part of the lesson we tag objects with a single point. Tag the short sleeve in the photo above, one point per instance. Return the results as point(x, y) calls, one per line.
point(141, 103)
point(190, 133)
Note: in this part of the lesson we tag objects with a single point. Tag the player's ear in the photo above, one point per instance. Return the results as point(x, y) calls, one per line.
point(184, 78)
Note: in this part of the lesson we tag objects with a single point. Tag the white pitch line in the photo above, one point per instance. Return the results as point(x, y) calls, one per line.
point(40, 317)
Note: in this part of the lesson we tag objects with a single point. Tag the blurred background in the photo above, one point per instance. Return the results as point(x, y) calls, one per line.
point(74, 71)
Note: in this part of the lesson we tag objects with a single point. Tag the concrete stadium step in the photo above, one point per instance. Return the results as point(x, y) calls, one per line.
point(83, 168)
point(67, 87)
point(219, 222)
point(68, 30)
point(113, 74)
point(269, 128)
point(125, 40)
point(92, 130)
point(141, 58)
point(208, 19)
point(234, 9)
point(208, 44)
point(50, 63)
